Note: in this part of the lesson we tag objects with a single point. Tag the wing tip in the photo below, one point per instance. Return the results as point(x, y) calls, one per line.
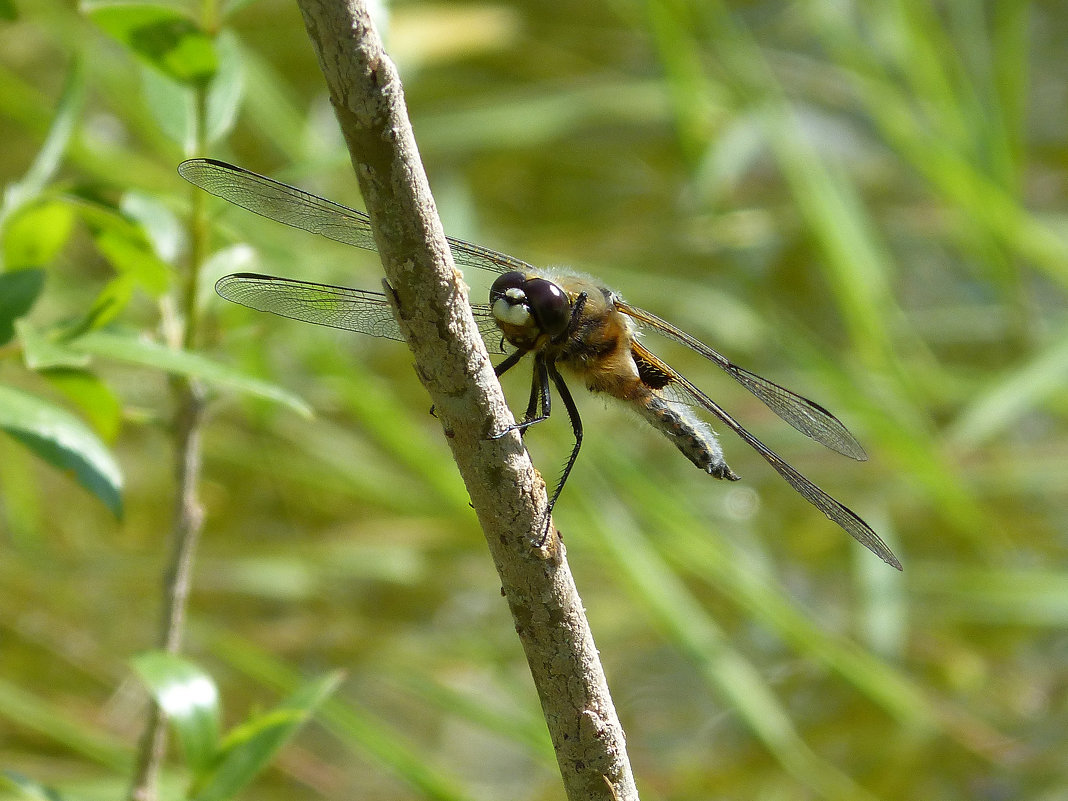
point(874, 543)
point(890, 559)
point(855, 450)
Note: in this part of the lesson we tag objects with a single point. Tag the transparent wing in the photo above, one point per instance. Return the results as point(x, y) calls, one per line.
point(837, 512)
point(334, 306)
point(805, 415)
point(299, 209)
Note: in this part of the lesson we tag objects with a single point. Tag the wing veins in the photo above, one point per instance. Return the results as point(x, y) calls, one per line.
point(341, 307)
point(299, 209)
point(803, 414)
point(370, 313)
point(837, 512)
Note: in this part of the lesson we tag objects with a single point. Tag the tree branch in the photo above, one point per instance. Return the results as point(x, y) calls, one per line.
point(507, 494)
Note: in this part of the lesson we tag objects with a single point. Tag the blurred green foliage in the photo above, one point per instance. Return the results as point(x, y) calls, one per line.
point(864, 202)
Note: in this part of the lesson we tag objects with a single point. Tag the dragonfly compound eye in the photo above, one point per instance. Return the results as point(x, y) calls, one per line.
point(550, 306)
point(506, 282)
point(508, 299)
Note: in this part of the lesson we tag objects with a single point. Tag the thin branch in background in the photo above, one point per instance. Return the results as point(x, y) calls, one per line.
point(188, 523)
point(451, 360)
point(185, 536)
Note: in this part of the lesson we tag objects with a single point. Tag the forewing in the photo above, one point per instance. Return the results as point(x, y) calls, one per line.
point(334, 306)
point(805, 415)
point(280, 202)
point(837, 512)
point(299, 209)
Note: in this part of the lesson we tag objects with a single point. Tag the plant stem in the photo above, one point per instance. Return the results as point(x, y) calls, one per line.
point(188, 513)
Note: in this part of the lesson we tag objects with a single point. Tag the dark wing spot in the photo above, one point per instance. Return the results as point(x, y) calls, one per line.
point(650, 374)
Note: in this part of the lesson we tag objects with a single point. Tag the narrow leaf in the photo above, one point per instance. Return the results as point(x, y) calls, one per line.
point(18, 291)
point(180, 362)
point(172, 105)
point(36, 233)
point(135, 257)
point(159, 224)
point(124, 240)
point(165, 38)
point(30, 788)
point(189, 698)
point(106, 306)
point(227, 89)
point(48, 158)
point(42, 353)
point(1000, 405)
point(93, 397)
point(250, 746)
point(63, 440)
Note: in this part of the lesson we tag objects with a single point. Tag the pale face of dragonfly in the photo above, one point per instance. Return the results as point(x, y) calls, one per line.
point(565, 322)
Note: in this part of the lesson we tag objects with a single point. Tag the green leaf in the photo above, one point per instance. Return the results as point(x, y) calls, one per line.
point(134, 256)
point(190, 700)
point(48, 720)
point(47, 160)
point(1000, 405)
point(95, 398)
point(8, 13)
point(36, 233)
point(18, 291)
point(126, 245)
point(163, 37)
point(172, 105)
point(40, 352)
point(180, 362)
point(29, 788)
point(125, 242)
point(63, 440)
point(158, 223)
point(227, 88)
point(106, 306)
point(358, 731)
point(249, 747)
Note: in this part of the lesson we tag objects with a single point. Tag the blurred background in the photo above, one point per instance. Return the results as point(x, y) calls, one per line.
point(863, 202)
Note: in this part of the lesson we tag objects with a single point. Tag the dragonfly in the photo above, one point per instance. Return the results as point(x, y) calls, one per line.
point(565, 322)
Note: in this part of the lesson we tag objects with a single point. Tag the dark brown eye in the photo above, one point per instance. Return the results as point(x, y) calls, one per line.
point(512, 280)
point(549, 305)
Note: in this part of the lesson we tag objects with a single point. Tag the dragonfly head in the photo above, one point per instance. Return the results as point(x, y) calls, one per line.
point(525, 308)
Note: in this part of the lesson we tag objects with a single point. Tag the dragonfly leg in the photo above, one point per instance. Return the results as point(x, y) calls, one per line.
point(509, 363)
point(576, 428)
point(540, 397)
